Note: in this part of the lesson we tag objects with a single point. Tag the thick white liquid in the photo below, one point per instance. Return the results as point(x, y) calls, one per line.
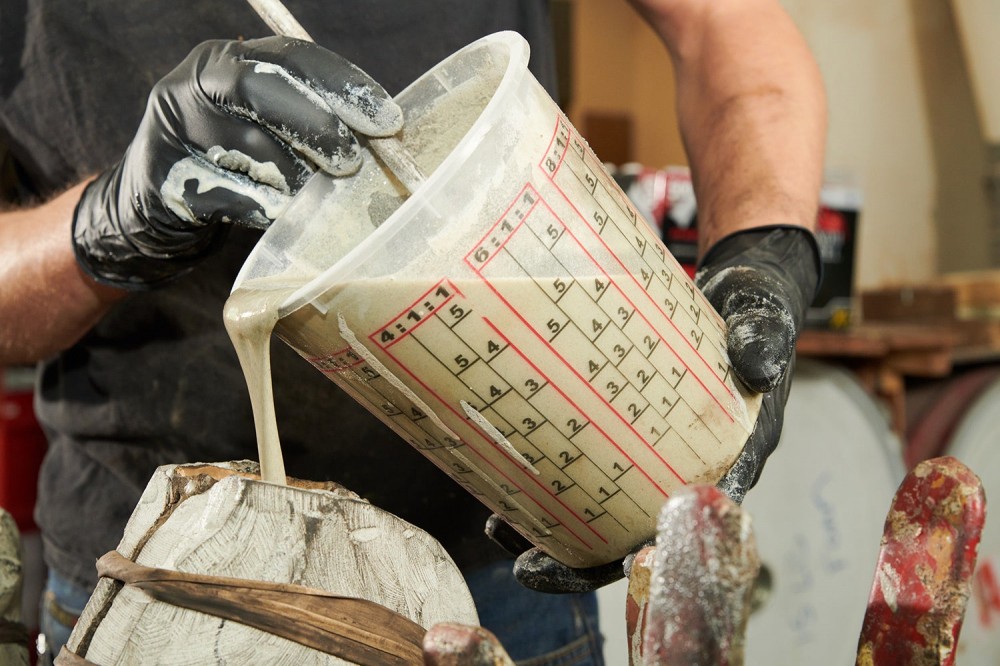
point(250, 315)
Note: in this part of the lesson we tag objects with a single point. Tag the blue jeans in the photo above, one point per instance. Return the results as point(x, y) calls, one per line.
point(61, 598)
point(536, 629)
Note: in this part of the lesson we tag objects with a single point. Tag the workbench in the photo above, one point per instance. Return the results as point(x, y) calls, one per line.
point(915, 336)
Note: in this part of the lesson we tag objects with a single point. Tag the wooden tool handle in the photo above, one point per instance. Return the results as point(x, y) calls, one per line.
point(388, 149)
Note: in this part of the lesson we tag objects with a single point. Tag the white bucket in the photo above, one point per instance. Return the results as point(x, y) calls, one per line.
point(514, 318)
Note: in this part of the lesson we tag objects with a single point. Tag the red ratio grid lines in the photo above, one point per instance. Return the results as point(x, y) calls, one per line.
point(517, 312)
point(548, 434)
point(385, 338)
point(636, 310)
point(575, 406)
point(499, 237)
point(590, 179)
point(344, 361)
point(551, 165)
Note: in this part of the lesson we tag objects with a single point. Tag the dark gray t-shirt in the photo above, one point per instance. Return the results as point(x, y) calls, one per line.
point(157, 380)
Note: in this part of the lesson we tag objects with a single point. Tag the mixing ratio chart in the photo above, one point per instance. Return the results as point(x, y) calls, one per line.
point(578, 376)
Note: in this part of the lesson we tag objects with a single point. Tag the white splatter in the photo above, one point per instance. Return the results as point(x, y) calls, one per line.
point(299, 86)
point(262, 172)
point(212, 170)
point(365, 534)
point(889, 582)
point(498, 437)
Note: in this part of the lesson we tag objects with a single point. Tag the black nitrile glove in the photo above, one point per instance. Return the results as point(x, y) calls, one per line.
point(760, 281)
point(539, 571)
point(229, 136)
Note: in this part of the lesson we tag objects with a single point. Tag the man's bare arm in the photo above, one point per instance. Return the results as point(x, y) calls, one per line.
point(751, 108)
point(47, 302)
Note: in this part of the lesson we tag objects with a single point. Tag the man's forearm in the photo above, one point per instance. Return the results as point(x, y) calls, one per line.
point(47, 302)
point(751, 108)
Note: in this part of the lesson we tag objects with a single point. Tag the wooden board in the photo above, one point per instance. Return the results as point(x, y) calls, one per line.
point(950, 297)
point(965, 304)
point(878, 340)
point(928, 304)
point(977, 293)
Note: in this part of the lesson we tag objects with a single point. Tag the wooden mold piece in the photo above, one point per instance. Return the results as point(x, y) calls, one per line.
point(221, 521)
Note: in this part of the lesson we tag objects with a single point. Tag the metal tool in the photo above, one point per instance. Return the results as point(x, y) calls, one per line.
point(690, 596)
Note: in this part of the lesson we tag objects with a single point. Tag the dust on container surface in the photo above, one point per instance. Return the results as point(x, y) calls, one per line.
point(514, 319)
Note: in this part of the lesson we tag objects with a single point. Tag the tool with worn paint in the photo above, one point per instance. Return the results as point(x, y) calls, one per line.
point(689, 597)
point(924, 571)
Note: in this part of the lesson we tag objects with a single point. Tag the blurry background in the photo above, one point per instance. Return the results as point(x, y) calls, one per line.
point(912, 86)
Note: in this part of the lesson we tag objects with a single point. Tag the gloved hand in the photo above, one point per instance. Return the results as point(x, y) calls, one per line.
point(229, 136)
point(539, 571)
point(760, 281)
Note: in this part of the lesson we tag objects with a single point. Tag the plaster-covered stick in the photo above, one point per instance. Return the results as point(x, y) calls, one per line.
point(389, 149)
point(700, 582)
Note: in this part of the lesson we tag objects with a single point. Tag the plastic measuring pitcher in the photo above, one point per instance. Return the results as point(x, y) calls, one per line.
point(514, 319)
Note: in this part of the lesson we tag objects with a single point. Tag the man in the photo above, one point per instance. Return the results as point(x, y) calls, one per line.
point(116, 291)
